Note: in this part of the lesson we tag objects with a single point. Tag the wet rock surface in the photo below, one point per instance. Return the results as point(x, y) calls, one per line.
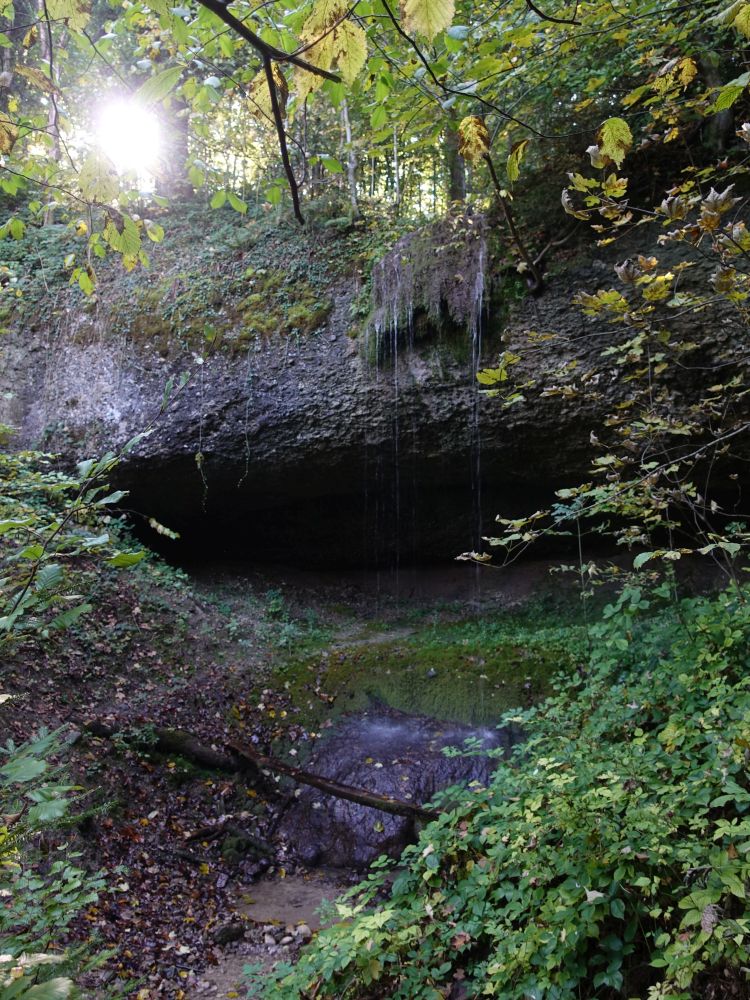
point(387, 752)
point(336, 448)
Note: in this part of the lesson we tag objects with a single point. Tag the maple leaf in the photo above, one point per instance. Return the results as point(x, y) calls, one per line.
point(615, 139)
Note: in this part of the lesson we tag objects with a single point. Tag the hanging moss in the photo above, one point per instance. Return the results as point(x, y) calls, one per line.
point(439, 271)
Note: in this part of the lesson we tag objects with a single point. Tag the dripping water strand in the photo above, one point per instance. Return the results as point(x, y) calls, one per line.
point(475, 430)
point(249, 374)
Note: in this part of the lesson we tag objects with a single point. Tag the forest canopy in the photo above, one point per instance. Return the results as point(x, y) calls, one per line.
point(109, 110)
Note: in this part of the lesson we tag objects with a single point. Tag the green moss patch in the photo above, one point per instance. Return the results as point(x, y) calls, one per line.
point(468, 673)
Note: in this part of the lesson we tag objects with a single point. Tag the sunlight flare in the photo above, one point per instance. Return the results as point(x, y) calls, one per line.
point(130, 135)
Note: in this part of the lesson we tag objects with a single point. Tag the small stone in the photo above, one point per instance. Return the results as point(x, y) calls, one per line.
point(269, 939)
point(431, 673)
point(304, 933)
point(229, 932)
point(287, 939)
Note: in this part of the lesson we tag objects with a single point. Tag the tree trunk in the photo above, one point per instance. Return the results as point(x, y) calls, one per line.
point(719, 127)
point(245, 759)
point(454, 163)
point(351, 161)
point(375, 800)
point(174, 179)
point(53, 130)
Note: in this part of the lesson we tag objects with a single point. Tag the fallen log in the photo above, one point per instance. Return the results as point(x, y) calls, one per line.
point(397, 807)
point(170, 741)
point(246, 759)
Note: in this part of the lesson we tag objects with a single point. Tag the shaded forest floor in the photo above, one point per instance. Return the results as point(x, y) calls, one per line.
point(227, 656)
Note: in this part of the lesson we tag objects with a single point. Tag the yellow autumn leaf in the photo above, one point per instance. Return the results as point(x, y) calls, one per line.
point(427, 17)
point(615, 139)
point(260, 97)
point(8, 133)
point(336, 43)
point(473, 139)
point(37, 79)
point(76, 13)
point(352, 50)
point(742, 20)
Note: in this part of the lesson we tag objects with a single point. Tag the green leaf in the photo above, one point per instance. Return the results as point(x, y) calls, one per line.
point(98, 179)
point(218, 199)
point(53, 989)
point(237, 203)
point(726, 97)
point(331, 164)
point(159, 86)
point(642, 558)
point(67, 618)
point(514, 160)
point(23, 768)
point(122, 559)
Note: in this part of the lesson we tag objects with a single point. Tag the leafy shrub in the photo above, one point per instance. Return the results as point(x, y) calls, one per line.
point(611, 858)
point(47, 519)
point(39, 895)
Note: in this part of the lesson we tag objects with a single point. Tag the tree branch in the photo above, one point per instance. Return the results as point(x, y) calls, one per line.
point(267, 51)
point(548, 17)
point(278, 120)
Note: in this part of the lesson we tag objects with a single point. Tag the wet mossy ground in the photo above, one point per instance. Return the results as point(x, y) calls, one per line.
point(470, 673)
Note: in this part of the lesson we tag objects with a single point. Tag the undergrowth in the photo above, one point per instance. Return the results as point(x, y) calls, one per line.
point(609, 859)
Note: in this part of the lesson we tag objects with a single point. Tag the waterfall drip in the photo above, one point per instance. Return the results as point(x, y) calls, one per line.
point(438, 274)
point(439, 271)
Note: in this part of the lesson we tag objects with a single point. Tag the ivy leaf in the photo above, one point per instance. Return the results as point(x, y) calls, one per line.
point(615, 139)
point(157, 87)
point(473, 139)
point(514, 159)
point(427, 17)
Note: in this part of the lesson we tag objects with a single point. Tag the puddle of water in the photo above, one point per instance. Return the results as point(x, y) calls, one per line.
point(295, 899)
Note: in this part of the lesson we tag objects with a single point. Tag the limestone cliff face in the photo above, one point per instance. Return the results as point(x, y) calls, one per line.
point(320, 448)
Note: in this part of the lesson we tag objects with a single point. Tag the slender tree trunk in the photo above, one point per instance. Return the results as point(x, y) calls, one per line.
point(351, 161)
point(53, 129)
point(396, 178)
point(175, 181)
point(454, 163)
point(719, 127)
